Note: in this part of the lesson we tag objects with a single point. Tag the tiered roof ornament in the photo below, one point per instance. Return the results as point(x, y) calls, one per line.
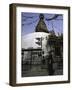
point(41, 26)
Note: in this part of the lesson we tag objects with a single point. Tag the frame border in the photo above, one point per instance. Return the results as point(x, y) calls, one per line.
point(12, 43)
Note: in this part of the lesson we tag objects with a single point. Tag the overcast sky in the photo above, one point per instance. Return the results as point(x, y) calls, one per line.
point(29, 22)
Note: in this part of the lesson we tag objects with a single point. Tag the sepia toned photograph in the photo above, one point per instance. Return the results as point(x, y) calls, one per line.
point(41, 44)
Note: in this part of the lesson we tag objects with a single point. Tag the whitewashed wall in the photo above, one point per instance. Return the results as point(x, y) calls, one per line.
point(29, 40)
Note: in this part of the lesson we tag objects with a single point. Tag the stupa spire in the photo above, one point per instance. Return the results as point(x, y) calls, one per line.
point(41, 26)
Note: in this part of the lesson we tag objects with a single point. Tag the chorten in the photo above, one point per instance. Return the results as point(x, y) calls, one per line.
point(41, 26)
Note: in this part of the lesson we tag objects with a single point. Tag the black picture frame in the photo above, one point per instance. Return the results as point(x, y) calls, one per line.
point(13, 43)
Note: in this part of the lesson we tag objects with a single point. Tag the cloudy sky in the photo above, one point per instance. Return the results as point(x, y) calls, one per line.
point(29, 22)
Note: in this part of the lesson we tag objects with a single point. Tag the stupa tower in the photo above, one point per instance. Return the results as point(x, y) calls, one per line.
point(41, 26)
